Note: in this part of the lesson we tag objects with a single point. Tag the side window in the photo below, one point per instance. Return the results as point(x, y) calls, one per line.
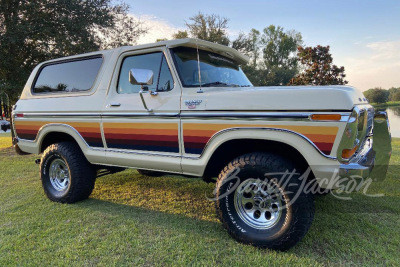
point(68, 76)
point(156, 62)
point(165, 81)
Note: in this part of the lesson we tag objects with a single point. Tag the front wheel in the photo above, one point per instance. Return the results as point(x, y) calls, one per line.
point(261, 202)
point(66, 175)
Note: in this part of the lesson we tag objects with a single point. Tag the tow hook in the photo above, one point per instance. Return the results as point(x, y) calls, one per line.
point(37, 161)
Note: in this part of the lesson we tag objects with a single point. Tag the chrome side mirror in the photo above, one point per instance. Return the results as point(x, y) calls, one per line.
point(142, 77)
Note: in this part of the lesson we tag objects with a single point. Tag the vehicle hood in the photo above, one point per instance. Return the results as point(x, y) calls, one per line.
point(279, 98)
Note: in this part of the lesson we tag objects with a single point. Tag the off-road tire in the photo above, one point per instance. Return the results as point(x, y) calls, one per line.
point(294, 221)
point(82, 174)
point(150, 173)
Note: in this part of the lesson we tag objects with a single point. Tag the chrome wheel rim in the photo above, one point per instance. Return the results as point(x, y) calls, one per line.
point(258, 203)
point(59, 175)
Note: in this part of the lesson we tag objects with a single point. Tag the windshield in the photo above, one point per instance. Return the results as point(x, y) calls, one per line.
point(215, 69)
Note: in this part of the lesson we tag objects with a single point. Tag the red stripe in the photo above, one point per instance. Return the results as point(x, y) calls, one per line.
point(26, 131)
point(324, 147)
point(90, 135)
point(196, 139)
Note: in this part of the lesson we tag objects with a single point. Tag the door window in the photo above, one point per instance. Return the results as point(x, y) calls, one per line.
point(162, 80)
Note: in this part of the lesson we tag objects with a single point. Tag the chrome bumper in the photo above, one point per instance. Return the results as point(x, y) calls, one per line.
point(373, 159)
point(361, 167)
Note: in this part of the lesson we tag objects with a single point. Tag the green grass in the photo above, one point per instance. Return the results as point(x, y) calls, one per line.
point(387, 104)
point(135, 220)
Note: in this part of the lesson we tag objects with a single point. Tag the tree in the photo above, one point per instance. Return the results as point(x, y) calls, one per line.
point(180, 35)
point(377, 95)
point(250, 46)
point(272, 54)
point(279, 55)
point(35, 31)
point(211, 28)
point(394, 94)
point(318, 68)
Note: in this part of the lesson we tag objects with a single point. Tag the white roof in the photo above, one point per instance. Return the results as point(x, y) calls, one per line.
point(189, 42)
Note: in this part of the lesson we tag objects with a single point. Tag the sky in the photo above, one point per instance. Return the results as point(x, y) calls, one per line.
point(364, 35)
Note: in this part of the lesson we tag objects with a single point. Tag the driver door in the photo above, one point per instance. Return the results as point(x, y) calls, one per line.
point(134, 135)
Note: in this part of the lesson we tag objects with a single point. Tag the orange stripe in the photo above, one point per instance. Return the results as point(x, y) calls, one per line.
point(148, 126)
point(321, 138)
point(329, 130)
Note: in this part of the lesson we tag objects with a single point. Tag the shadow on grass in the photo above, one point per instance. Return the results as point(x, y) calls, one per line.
point(178, 205)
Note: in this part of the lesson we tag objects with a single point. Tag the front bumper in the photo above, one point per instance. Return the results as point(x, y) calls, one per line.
point(372, 160)
point(362, 165)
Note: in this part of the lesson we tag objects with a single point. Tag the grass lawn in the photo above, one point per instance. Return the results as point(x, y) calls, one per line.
point(135, 220)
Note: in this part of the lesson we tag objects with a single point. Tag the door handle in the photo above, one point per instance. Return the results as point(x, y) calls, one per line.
point(114, 104)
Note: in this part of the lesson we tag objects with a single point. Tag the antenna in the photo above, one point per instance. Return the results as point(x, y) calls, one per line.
point(198, 67)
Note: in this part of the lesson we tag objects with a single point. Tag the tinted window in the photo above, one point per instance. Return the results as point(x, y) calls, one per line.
point(162, 79)
point(71, 76)
point(165, 82)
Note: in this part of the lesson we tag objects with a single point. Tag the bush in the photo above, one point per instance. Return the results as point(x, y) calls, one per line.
point(394, 94)
point(377, 95)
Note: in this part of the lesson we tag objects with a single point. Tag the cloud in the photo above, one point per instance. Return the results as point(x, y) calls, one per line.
point(379, 66)
point(157, 29)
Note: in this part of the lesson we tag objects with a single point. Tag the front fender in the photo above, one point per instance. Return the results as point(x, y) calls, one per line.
point(321, 165)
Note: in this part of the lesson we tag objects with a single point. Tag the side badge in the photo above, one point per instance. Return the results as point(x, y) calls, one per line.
point(192, 104)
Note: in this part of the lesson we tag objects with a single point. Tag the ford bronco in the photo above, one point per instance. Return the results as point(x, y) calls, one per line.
point(185, 107)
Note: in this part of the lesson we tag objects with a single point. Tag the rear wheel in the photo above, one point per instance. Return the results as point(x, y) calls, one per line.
point(66, 175)
point(262, 204)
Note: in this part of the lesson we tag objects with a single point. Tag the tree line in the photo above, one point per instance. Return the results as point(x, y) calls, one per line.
point(277, 56)
point(379, 95)
point(34, 31)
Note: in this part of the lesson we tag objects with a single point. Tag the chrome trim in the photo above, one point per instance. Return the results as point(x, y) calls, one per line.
point(57, 115)
point(263, 129)
point(115, 150)
point(98, 115)
point(137, 114)
point(276, 115)
point(103, 136)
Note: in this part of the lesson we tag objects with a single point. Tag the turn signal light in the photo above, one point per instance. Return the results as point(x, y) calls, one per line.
point(347, 153)
point(326, 117)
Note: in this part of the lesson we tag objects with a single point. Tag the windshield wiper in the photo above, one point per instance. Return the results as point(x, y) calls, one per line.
point(219, 84)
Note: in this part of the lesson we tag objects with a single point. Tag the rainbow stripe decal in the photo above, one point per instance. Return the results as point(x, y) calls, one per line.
point(90, 131)
point(143, 136)
point(196, 135)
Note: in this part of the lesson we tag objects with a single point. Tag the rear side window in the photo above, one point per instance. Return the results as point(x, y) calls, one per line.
point(68, 76)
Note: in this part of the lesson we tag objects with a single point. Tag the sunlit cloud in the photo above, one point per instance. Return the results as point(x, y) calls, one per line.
point(157, 29)
point(379, 67)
